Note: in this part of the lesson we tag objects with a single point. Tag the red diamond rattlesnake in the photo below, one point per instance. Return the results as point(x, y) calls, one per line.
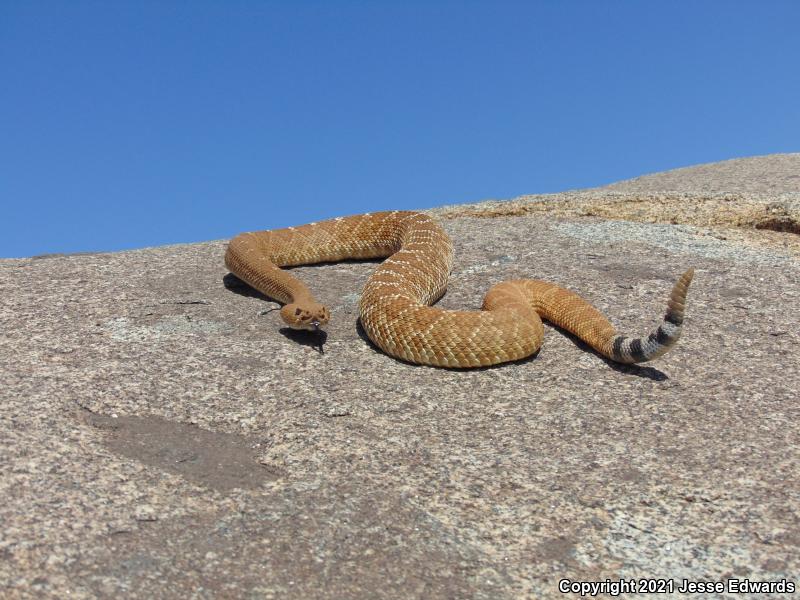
point(395, 306)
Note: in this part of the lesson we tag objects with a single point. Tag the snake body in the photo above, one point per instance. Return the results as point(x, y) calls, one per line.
point(395, 307)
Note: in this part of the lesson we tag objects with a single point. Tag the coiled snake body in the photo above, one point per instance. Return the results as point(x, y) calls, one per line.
point(395, 304)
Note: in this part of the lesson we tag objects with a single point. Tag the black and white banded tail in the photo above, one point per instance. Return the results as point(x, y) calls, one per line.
point(636, 350)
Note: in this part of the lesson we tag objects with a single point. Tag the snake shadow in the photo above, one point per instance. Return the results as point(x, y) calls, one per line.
point(314, 339)
point(237, 286)
point(629, 369)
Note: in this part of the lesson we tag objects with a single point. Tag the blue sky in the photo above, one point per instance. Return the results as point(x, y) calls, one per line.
point(132, 124)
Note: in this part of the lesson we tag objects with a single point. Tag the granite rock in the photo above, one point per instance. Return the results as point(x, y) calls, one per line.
point(164, 437)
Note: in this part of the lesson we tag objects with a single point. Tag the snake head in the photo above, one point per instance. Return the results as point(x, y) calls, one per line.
point(311, 316)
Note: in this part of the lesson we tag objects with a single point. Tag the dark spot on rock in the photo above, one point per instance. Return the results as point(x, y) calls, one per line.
point(561, 549)
point(784, 224)
point(217, 460)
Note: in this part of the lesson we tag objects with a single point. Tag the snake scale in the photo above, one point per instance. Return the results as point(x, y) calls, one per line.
point(395, 307)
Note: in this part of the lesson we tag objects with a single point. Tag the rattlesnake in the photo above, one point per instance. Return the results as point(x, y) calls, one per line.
point(395, 304)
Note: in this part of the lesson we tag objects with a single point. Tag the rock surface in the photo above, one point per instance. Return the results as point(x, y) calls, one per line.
point(163, 437)
point(771, 174)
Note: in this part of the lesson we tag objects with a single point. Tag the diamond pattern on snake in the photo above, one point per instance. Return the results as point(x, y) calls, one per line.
point(395, 307)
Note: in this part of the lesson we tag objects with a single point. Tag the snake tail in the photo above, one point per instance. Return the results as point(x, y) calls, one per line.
point(637, 350)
